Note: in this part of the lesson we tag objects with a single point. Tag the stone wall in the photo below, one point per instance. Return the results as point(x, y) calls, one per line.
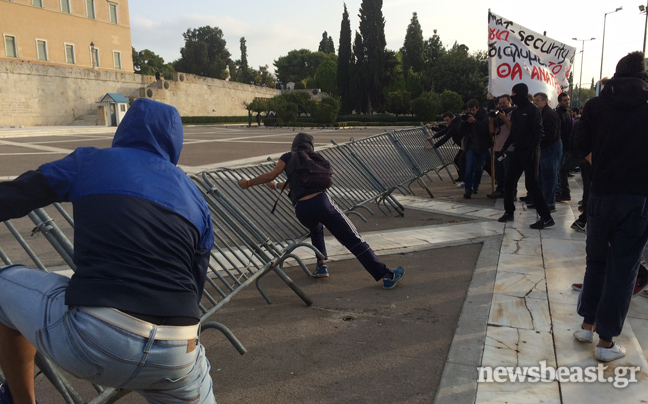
point(39, 95)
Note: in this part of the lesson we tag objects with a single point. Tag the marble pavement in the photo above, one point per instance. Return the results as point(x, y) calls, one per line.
point(520, 308)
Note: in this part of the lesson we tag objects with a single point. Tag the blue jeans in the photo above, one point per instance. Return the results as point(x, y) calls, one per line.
point(163, 371)
point(617, 232)
point(550, 158)
point(474, 168)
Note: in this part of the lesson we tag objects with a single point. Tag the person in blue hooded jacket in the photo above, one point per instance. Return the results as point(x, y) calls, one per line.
point(129, 316)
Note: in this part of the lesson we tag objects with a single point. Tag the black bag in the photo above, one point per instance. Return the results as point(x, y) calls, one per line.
point(312, 170)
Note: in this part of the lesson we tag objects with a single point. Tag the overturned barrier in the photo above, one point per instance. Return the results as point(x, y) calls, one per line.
point(446, 153)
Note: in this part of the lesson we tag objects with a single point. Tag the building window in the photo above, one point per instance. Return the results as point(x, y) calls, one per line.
point(41, 48)
point(117, 60)
point(11, 50)
point(65, 6)
point(112, 7)
point(94, 54)
point(37, 3)
point(69, 54)
point(90, 9)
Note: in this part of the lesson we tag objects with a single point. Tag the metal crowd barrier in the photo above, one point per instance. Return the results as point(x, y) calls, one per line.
point(414, 142)
point(237, 260)
point(446, 153)
point(355, 185)
point(389, 163)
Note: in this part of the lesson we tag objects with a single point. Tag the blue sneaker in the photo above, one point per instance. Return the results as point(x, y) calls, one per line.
point(321, 271)
point(398, 275)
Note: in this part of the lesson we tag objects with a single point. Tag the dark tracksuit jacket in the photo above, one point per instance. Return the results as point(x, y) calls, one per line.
point(142, 230)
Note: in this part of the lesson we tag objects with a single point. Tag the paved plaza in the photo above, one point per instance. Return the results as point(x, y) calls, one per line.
point(476, 293)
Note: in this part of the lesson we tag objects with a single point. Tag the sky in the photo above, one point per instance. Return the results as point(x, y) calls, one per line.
point(274, 28)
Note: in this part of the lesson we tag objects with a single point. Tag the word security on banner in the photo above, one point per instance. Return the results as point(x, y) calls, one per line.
point(519, 55)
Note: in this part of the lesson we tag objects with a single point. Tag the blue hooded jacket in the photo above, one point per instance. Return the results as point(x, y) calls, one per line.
point(143, 231)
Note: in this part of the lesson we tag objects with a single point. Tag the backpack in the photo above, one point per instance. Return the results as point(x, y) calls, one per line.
point(312, 170)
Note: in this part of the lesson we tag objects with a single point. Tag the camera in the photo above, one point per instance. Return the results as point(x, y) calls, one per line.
point(465, 116)
point(493, 112)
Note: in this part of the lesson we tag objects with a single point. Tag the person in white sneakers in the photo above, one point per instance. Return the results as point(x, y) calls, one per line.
point(614, 127)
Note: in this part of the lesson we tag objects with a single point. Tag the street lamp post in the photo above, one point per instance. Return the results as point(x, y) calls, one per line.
point(92, 54)
point(603, 46)
point(580, 80)
point(644, 10)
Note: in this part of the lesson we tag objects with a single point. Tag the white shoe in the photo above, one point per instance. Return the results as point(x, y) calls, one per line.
point(644, 293)
point(584, 335)
point(461, 185)
point(616, 351)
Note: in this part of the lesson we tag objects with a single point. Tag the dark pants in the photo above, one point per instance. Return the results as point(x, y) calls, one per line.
point(570, 162)
point(549, 166)
point(586, 169)
point(617, 231)
point(527, 162)
point(460, 162)
point(319, 212)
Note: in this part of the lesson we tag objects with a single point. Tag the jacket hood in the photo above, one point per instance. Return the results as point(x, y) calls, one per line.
point(303, 141)
point(625, 92)
point(153, 127)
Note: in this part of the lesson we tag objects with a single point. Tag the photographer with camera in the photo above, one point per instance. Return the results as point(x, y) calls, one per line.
point(474, 130)
point(499, 124)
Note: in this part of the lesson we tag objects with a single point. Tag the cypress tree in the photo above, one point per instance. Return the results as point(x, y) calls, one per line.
point(413, 47)
point(372, 29)
point(344, 64)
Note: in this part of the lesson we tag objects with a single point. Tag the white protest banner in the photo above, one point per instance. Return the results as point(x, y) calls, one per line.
point(519, 55)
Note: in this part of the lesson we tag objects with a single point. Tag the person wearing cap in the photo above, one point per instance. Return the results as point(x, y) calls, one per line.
point(526, 134)
point(129, 316)
point(614, 128)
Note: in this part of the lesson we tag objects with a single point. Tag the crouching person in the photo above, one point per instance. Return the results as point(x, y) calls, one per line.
point(129, 316)
point(315, 210)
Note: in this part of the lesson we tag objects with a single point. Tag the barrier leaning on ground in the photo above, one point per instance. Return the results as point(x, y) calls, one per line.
point(249, 241)
point(237, 260)
point(446, 153)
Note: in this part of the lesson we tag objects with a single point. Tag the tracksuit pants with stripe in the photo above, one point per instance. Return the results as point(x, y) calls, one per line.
point(319, 212)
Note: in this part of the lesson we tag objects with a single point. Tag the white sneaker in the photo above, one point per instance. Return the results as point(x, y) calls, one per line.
point(584, 335)
point(644, 293)
point(461, 185)
point(616, 351)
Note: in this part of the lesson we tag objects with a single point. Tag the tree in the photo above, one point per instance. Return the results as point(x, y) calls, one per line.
point(326, 44)
point(300, 65)
point(394, 78)
point(344, 64)
point(204, 53)
point(451, 101)
point(427, 106)
point(148, 63)
point(359, 76)
point(398, 102)
point(325, 111)
point(372, 30)
point(458, 70)
point(325, 76)
point(433, 50)
point(246, 74)
point(413, 47)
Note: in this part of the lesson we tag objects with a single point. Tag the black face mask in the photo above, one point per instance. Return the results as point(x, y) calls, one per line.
point(519, 99)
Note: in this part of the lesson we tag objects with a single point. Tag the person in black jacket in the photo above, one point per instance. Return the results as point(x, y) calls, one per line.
point(566, 128)
point(550, 150)
point(614, 128)
point(526, 134)
point(474, 129)
point(451, 131)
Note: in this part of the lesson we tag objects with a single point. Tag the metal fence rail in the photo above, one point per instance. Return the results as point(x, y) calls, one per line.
point(446, 152)
point(391, 164)
point(414, 142)
point(354, 185)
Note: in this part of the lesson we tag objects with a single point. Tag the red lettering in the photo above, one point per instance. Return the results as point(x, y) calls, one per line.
point(556, 69)
point(505, 70)
point(498, 34)
point(534, 74)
